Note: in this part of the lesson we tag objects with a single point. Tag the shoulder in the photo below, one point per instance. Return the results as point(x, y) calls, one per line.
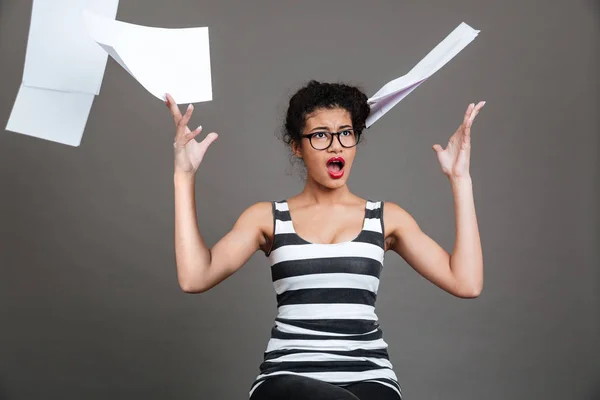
point(393, 209)
point(396, 220)
point(258, 213)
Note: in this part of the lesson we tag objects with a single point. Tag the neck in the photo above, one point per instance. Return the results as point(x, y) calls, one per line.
point(320, 194)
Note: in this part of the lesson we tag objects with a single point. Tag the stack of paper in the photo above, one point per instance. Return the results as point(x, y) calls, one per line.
point(69, 44)
point(63, 71)
point(394, 91)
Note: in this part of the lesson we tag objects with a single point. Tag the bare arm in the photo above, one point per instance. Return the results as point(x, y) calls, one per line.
point(200, 268)
point(459, 273)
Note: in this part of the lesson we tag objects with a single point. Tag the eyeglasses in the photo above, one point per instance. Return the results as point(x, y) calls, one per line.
point(348, 138)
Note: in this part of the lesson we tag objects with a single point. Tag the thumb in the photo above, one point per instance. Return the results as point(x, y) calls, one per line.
point(437, 148)
point(208, 140)
point(211, 137)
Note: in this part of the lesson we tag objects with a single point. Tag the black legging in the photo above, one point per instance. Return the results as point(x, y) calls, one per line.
point(293, 387)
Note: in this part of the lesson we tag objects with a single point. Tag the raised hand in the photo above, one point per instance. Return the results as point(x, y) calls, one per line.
point(455, 158)
point(188, 152)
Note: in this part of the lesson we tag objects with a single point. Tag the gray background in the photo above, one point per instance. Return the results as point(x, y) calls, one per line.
point(90, 307)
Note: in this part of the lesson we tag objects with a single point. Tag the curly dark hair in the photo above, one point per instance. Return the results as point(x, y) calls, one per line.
point(316, 95)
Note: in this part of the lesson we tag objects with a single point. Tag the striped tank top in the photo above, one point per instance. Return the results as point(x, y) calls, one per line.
point(326, 327)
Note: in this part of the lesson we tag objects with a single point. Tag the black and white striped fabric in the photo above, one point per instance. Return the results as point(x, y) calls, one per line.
point(326, 327)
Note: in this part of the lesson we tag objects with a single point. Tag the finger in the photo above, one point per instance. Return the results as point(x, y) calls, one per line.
point(173, 108)
point(189, 135)
point(468, 113)
point(182, 140)
point(472, 117)
point(208, 140)
point(183, 121)
point(169, 99)
point(437, 148)
point(467, 129)
point(476, 110)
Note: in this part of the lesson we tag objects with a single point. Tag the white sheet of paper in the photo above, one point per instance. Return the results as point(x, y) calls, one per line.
point(63, 71)
point(60, 55)
point(175, 61)
point(50, 114)
point(396, 90)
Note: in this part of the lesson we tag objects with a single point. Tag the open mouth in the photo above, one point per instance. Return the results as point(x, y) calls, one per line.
point(335, 167)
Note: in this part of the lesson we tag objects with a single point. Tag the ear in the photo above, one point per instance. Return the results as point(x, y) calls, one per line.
point(296, 149)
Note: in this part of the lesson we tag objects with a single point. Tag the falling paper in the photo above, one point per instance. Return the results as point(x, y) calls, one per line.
point(50, 114)
point(394, 91)
point(63, 71)
point(60, 55)
point(174, 61)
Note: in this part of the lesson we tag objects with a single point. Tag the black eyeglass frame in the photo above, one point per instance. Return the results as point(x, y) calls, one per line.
point(309, 136)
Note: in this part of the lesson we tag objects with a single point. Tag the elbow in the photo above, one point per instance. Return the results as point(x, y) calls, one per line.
point(192, 286)
point(192, 289)
point(470, 292)
point(192, 278)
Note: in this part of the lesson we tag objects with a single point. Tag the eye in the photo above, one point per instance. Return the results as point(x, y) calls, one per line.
point(346, 133)
point(320, 135)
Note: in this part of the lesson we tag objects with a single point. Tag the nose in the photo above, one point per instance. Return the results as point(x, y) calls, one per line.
point(335, 146)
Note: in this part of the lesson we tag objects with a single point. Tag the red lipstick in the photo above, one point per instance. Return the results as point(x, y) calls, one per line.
point(335, 167)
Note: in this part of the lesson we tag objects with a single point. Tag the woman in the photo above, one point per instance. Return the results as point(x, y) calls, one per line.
point(326, 248)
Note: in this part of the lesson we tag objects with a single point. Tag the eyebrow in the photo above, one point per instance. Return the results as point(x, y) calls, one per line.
point(324, 128)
